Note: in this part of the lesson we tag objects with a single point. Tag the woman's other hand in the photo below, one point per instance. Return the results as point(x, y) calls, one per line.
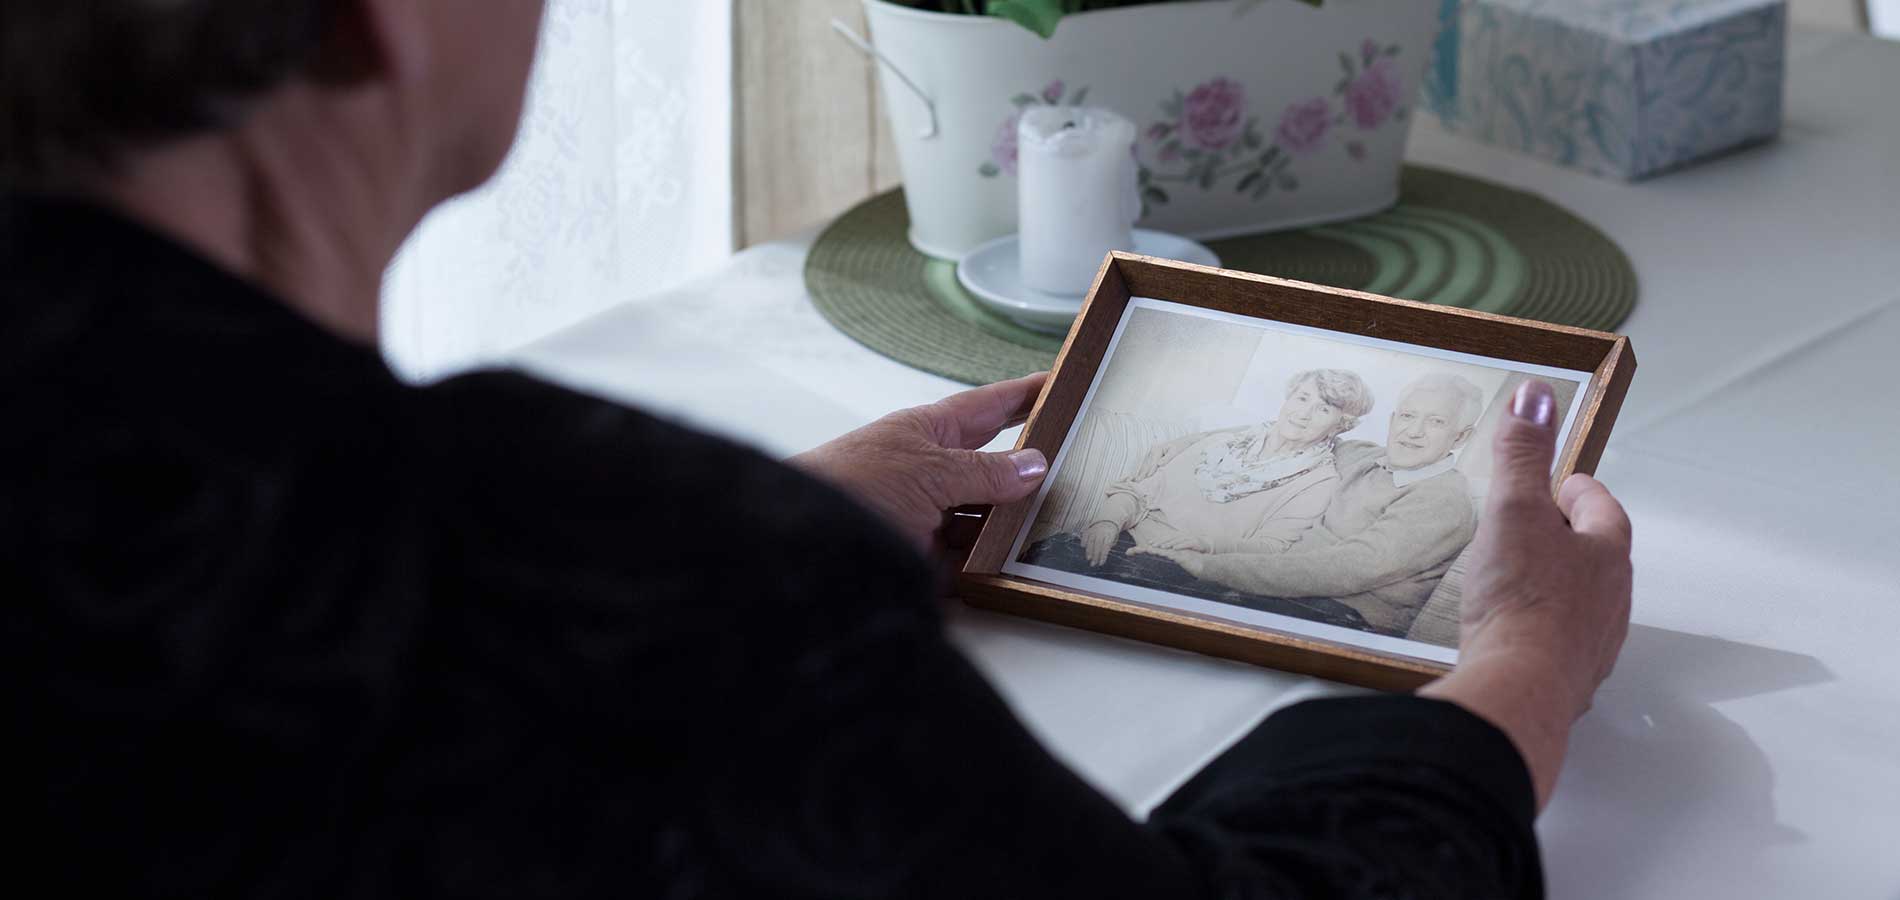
point(1097, 540)
point(1161, 454)
point(1156, 457)
point(1548, 602)
point(915, 464)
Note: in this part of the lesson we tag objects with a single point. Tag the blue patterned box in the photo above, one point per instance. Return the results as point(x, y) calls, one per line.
point(1620, 87)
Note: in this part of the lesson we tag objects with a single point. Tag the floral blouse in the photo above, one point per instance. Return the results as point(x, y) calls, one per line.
point(1238, 467)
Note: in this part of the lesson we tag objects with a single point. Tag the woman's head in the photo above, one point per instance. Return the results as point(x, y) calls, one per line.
point(1321, 404)
point(87, 85)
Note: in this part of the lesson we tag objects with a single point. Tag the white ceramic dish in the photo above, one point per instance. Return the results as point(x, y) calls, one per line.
point(992, 273)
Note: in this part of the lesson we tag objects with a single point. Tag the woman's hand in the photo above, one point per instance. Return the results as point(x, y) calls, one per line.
point(1156, 457)
point(915, 464)
point(1097, 540)
point(1548, 602)
point(1163, 453)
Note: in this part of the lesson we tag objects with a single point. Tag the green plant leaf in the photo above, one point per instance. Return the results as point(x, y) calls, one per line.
point(1246, 6)
point(1039, 16)
point(1345, 62)
point(1080, 96)
point(1025, 100)
point(1155, 195)
point(988, 170)
point(1251, 179)
point(1042, 16)
point(1289, 183)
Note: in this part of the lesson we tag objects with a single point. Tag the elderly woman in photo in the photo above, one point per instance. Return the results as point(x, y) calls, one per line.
point(1399, 515)
point(1255, 489)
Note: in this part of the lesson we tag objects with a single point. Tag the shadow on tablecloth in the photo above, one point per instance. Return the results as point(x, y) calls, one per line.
point(1657, 779)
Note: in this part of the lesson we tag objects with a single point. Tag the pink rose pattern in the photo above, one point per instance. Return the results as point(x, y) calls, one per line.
point(1304, 125)
point(1374, 95)
point(1214, 114)
point(1206, 135)
point(1003, 152)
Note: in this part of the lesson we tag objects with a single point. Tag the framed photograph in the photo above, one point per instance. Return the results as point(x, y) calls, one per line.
point(1277, 472)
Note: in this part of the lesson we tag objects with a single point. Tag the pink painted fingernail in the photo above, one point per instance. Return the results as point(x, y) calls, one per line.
point(1030, 464)
point(1534, 402)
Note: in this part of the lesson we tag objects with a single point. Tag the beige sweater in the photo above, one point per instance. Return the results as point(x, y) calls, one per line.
point(1379, 548)
point(1171, 503)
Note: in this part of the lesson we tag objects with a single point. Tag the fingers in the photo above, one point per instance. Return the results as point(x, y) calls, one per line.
point(1525, 444)
point(1034, 381)
point(1592, 510)
point(968, 420)
point(967, 477)
point(1149, 463)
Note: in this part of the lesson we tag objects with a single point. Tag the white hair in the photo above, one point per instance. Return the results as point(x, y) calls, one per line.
point(1470, 399)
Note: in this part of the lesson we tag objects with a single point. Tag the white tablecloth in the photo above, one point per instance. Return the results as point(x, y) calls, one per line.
point(1749, 743)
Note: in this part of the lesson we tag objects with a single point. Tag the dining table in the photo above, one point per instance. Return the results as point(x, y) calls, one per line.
point(1748, 742)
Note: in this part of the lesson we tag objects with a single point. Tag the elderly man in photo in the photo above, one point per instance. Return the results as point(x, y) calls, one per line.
point(1401, 514)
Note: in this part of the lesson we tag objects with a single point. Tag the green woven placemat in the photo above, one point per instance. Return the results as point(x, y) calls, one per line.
point(1452, 239)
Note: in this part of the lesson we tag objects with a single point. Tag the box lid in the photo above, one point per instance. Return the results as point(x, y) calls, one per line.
point(1633, 20)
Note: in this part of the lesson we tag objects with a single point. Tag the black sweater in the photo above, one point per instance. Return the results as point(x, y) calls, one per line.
point(278, 625)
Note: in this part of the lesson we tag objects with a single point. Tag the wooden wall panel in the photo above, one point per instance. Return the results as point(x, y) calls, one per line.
point(809, 134)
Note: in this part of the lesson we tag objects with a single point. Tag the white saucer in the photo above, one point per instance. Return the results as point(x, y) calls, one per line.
point(993, 274)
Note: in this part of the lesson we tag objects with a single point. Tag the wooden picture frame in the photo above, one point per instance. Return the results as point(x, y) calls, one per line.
point(1607, 358)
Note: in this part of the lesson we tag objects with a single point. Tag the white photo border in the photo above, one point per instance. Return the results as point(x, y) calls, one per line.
point(1240, 615)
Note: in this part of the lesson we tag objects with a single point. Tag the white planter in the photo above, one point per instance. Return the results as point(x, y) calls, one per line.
point(1254, 116)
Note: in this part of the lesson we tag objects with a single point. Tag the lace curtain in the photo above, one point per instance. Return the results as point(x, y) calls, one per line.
point(619, 185)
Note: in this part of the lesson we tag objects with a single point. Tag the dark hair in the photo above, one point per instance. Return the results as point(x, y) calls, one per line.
point(82, 79)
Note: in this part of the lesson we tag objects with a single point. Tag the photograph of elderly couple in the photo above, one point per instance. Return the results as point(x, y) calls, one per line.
point(1308, 481)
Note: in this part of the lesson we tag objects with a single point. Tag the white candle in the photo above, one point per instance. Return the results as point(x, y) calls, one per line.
point(1075, 195)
